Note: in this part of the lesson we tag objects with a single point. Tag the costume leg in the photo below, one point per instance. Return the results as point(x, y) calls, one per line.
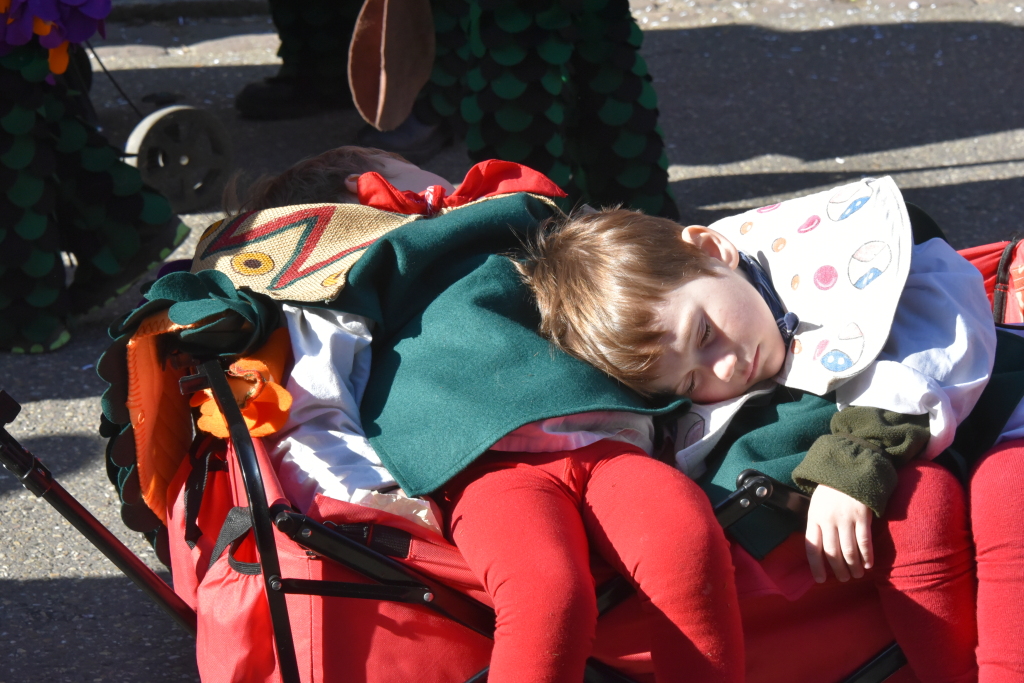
point(520, 532)
point(616, 145)
point(63, 188)
point(315, 35)
point(439, 99)
point(33, 299)
point(998, 525)
point(565, 92)
point(518, 97)
point(656, 525)
point(117, 228)
point(924, 574)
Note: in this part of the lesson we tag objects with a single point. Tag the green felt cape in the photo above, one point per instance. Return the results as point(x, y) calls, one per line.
point(457, 363)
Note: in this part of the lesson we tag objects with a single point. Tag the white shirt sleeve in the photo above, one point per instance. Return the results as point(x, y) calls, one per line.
point(940, 350)
point(322, 447)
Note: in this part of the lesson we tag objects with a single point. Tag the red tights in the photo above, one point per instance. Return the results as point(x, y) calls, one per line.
point(525, 524)
point(924, 574)
point(997, 518)
point(925, 541)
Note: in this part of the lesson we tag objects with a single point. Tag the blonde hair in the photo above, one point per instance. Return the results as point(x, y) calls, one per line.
point(598, 278)
point(314, 180)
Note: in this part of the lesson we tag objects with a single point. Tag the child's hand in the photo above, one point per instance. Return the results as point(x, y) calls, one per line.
point(839, 527)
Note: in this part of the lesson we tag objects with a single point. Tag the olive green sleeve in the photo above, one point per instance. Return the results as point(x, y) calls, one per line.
point(862, 453)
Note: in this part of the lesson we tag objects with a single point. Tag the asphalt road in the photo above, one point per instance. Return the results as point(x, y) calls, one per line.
point(759, 101)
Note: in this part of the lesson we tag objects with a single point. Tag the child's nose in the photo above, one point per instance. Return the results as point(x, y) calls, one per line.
point(725, 366)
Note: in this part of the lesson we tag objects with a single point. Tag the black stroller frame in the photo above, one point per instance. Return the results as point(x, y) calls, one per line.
point(351, 546)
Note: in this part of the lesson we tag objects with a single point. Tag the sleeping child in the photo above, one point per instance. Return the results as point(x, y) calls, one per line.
point(754, 320)
point(524, 498)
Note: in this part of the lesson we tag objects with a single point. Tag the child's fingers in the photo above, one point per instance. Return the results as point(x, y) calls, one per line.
point(832, 545)
point(851, 550)
point(867, 548)
point(812, 544)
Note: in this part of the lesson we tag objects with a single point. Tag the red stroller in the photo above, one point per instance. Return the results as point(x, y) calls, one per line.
point(285, 597)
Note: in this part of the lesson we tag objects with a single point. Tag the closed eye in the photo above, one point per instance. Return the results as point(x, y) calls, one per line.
point(703, 335)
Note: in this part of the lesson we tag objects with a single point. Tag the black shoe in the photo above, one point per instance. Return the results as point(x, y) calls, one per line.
point(413, 139)
point(286, 97)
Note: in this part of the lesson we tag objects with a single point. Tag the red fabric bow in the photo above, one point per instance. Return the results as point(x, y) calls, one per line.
point(486, 179)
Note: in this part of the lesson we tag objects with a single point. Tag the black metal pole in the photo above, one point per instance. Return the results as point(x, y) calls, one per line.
point(262, 528)
point(37, 479)
point(123, 558)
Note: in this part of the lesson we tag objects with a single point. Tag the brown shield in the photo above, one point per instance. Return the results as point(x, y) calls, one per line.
point(390, 59)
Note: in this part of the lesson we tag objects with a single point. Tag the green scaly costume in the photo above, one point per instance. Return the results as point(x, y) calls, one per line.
point(64, 188)
point(558, 86)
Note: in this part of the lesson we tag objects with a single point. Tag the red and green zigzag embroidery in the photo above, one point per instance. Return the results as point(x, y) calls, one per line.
point(313, 222)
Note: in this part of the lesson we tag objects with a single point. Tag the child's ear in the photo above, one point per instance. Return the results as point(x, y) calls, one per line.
point(712, 243)
point(352, 184)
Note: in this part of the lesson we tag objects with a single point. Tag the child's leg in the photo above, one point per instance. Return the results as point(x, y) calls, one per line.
point(519, 530)
point(997, 498)
point(924, 573)
point(655, 525)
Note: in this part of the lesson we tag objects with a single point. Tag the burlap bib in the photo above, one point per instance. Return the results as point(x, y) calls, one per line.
point(839, 260)
point(295, 253)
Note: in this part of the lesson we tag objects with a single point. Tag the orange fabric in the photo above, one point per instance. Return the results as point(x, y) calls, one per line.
point(160, 415)
point(162, 418)
point(1015, 296)
point(58, 58)
point(255, 382)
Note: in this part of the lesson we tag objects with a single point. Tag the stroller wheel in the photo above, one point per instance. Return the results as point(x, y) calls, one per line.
point(184, 153)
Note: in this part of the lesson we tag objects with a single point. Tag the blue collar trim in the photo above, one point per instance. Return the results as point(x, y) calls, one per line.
point(787, 322)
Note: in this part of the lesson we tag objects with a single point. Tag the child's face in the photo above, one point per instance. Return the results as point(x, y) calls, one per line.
point(721, 337)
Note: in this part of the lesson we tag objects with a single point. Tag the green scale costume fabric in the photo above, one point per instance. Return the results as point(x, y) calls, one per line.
point(562, 88)
point(64, 188)
point(557, 86)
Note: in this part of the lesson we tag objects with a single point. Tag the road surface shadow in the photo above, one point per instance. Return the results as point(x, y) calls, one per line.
point(84, 630)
